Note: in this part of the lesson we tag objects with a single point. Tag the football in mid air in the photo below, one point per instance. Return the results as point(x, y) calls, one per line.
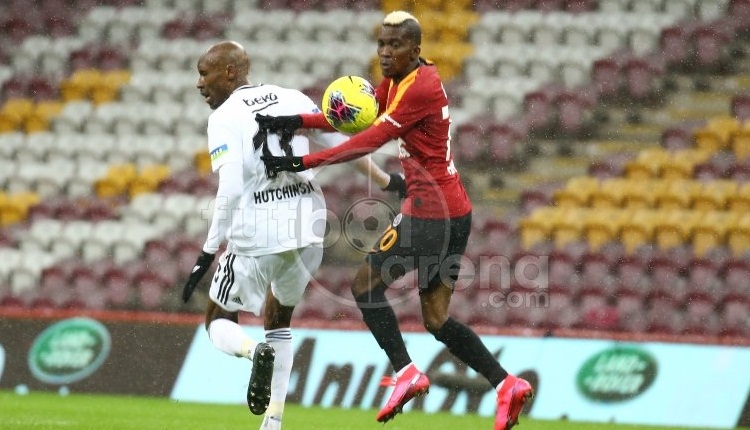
point(349, 104)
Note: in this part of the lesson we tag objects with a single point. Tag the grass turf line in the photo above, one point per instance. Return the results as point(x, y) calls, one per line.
point(44, 410)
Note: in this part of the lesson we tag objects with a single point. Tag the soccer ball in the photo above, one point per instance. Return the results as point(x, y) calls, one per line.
point(365, 221)
point(349, 104)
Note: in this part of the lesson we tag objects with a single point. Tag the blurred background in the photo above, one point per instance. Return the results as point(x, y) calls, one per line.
point(607, 137)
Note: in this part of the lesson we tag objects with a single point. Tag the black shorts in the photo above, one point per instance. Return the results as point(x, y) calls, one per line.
point(432, 246)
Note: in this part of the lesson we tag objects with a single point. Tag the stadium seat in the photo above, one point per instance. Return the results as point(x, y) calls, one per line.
point(502, 139)
point(739, 201)
point(716, 134)
point(734, 320)
point(714, 195)
point(595, 268)
point(567, 227)
point(576, 192)
point(674, 227)
point(647, 164)
point(120, 294)
point(682, 163)
point(738, 235)
point(638, 229)
point(741, 107)
point(710, 231)
point(470, 144)
point(610, 194)
point(735, 274)
point(700, 316)
point(41, 234)
point(664, 316)
point(709, 42)
point(602, 227)
point(739, 142)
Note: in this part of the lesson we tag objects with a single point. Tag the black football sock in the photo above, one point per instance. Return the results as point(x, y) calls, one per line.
point(467, 347)
point(381, 320)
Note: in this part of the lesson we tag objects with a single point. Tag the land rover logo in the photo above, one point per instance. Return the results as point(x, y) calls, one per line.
point(616, 374)
point(69, 351)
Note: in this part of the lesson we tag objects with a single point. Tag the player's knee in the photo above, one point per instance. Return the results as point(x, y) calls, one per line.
point(364, 282)
point(432, 323)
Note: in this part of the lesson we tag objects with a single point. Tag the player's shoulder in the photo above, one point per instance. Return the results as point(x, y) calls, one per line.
point(425, 83)
point(427, 75)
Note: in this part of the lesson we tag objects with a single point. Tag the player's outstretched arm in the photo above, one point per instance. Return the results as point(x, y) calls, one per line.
point(393, 182)
point(276, 124)
point(276, 164)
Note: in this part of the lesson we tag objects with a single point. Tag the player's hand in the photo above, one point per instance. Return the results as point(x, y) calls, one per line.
point(276, 124)
point(397, 184)
point(275, 165)
point(199, 270)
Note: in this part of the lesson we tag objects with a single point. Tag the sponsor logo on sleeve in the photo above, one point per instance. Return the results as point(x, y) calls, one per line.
point(218, 152)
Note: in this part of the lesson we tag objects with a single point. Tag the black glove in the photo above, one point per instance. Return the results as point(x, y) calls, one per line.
point(276, 124)
point(397, 184)
point(275, 164)
point(201, 267)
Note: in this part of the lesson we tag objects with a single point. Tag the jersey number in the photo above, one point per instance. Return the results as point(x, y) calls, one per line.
point(260, 141)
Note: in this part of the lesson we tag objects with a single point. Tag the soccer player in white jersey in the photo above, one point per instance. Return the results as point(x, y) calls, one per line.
point(273, 225)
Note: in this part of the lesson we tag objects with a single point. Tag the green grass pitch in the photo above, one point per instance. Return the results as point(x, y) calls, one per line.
point(42, 411)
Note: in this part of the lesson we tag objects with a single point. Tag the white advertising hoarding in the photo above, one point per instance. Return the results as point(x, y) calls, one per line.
point(581, 380)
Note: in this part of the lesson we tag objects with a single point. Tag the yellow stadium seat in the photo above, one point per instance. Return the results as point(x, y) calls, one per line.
point(640, 194)
point(13, 114)
point(448, 57)
point(568, 225)
point(577, 192)
point(678, 194)
point(39, 119)
point(79, 85)
point(716, 134)
point(148, 179)
point(431, 20)
point(452, 6)
point(610, 194)
point(391, 5)
point(647, 164)
point(637, 228)
point(202, 161)
point(710, 231)
point(740, 142)
point(423, 8)
point(680, 165)
point(738, 235)
point(739, 201)
point(456, 27)
point(674, 227)
point(107, 89)
point(4, 203)
point(374, 69)
point(537, 227)
point(714, 195)
point(602, 226)
point(116, 181)
point(15, 207)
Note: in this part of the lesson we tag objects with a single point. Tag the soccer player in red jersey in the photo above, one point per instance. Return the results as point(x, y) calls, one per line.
point(431, 232)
